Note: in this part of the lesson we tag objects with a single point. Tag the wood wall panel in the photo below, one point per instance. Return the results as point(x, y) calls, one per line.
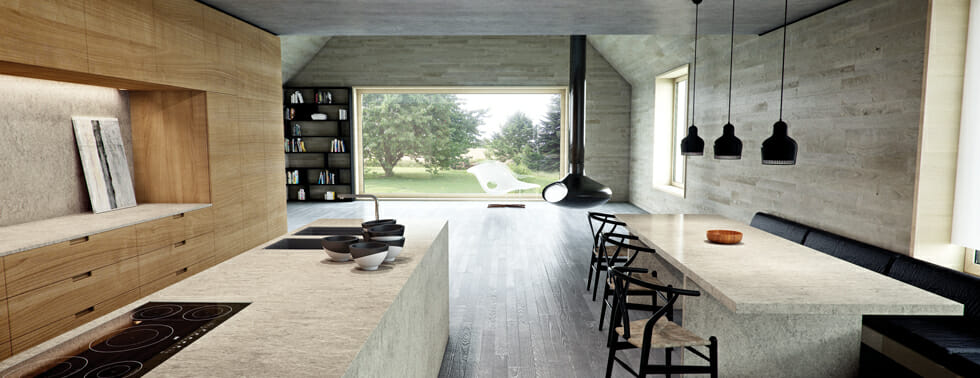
point(180, 41)
point(260, 65)
point(226, 174)
point(47, 32)
point(170, 146)
point(222, 49)
point(120, 38)
point(253, 139)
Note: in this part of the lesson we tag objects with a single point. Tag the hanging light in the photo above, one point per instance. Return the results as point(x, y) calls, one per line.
point(692, 144)
point(780, 149)
point(728, 146)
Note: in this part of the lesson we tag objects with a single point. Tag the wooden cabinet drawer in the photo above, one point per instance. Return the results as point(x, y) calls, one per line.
point(70, 322)
point(159, 263)
point(35, 268)
point(175, 276)
point(71, 297)
point(157, 234)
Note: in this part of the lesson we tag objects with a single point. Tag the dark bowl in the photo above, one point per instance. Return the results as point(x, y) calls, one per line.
point(369, 224)
point(358, 250)
point(386, 230)
point(339, 244)
point(395, 241)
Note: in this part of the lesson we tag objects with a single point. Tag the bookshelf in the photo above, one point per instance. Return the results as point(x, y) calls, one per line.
point(318, 143)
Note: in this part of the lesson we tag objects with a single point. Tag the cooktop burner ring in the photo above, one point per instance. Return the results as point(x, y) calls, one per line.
point(69, 362)
point(160, 332)
point(207, 312)
point(118, 369)
point(157, 312)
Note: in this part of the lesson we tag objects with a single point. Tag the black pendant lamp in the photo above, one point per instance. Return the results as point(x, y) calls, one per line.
point(692, 144)
point(780, 149)
point(728, 146)
point(576, 190)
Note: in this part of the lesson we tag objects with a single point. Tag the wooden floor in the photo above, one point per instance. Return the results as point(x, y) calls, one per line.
point(518, 303)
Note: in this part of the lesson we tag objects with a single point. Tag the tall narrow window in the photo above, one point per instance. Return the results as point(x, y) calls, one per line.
point(679, 126)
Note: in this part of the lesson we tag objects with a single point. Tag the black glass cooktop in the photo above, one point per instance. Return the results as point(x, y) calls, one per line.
point(158, 330)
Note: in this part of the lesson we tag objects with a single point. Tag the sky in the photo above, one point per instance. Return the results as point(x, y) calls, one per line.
point(502, 106)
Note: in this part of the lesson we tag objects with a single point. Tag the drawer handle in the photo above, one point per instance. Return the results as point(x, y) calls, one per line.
point(182, 271)
point(82, 276)
point(178, 216)
point(85, 311)
point(78, 241)
point(180, 243)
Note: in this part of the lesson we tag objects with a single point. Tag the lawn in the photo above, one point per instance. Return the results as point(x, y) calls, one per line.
point(416, 180)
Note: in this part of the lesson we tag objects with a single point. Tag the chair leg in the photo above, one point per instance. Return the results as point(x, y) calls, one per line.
point(609, 362)
point(602, 312)
point(592, 268)
point(713, 354)
point(667, 353)
point(595, 286)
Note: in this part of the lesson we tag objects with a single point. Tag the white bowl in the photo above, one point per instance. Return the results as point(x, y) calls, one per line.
point(370, 262)
point(337, 256)
point(395, 244)
point(392, 253)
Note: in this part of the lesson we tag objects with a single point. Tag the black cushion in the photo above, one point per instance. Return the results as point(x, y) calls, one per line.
point(783, 228)
point(938, 338)
point(958, 286)
point(853, 251)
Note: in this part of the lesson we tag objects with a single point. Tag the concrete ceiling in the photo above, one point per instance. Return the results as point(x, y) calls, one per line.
point(511, 17)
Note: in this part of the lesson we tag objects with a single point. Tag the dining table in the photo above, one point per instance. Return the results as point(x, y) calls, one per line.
point(778, 308)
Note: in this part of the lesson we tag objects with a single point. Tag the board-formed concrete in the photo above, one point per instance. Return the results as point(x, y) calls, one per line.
point(853, 94)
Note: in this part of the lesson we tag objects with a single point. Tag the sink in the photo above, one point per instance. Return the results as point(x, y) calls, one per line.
point(330, 231)
point(295, 243)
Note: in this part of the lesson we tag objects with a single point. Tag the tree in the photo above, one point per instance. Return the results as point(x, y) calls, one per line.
point(514, 137)
point(547, 155)
point(431, 128)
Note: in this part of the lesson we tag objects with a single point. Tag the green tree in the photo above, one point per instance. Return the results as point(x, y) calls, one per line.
point(431, 128)
point(547, 154)
point(514, 138)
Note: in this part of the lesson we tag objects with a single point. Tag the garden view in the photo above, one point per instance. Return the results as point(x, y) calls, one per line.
point(440, 144)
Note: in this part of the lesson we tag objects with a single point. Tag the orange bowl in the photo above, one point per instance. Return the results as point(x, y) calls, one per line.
point(724, 236)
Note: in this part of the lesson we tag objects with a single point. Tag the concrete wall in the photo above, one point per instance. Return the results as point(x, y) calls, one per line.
point(39, 163)
point(489, 61)
point(854, 87)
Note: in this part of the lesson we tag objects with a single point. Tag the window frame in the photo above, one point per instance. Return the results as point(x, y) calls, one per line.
point(675, 142)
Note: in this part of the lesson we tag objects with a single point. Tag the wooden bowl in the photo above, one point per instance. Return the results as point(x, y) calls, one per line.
point(724, 236)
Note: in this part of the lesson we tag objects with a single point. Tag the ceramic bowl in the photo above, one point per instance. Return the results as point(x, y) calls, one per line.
point(395, 245)
point(338, 247)
point(369, 224)
point(369, 255)
point(385, 230)
point(724, 236)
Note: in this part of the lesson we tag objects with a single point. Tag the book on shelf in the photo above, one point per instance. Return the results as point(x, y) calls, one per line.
point(296, 98)
point(337, 146)
point(323, 97)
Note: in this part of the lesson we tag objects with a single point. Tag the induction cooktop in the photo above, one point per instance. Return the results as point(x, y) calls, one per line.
point(156, 331)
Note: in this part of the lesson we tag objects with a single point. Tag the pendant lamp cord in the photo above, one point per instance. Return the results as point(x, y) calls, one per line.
point(694, 70)
point(731, 65)
point(782, 78)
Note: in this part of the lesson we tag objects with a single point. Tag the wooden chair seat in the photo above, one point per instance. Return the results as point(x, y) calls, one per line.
point(666, 334)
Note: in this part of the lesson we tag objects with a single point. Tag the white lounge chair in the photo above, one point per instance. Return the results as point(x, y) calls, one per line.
point(492, 171)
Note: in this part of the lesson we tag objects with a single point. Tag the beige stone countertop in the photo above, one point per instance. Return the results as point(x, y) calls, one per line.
point(25, 236)
point(768, 274)
point(308, 316)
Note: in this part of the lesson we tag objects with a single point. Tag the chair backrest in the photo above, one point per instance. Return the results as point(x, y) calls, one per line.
point(600, 223)
point(858, 253)
point(497, 172)
point(783, 228)
point(622, 283)
point(957, 286)
point(623, 248)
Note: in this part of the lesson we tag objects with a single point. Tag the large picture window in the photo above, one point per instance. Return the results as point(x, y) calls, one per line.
point(460, 142)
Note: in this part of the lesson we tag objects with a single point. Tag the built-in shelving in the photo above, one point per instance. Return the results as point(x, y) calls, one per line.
point(318, 148)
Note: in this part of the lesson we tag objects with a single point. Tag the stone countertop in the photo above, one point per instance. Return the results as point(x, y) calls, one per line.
point(767, 274)
point(308, 316)
point(25, 236)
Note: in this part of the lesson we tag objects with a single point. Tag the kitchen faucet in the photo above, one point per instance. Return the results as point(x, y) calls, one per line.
point(372, 196)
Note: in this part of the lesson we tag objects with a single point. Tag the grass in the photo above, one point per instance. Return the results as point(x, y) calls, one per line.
point(415, 180)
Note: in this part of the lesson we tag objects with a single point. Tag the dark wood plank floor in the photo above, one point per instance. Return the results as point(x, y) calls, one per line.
point(518, 303)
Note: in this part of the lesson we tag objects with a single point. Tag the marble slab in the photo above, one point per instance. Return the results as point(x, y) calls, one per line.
point(768, 274)
point(25, 236)
point(310, 317)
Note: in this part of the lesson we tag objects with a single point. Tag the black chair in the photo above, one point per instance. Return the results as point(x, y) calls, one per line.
point(619, 249)
point(600, 223)
point(656, 332)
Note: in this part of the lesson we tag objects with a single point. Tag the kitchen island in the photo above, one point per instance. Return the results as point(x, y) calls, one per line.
point(779, 309)
point(309, 316)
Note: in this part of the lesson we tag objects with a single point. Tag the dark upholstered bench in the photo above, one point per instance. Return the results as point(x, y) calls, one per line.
point(945, 344)
point(783, 228)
